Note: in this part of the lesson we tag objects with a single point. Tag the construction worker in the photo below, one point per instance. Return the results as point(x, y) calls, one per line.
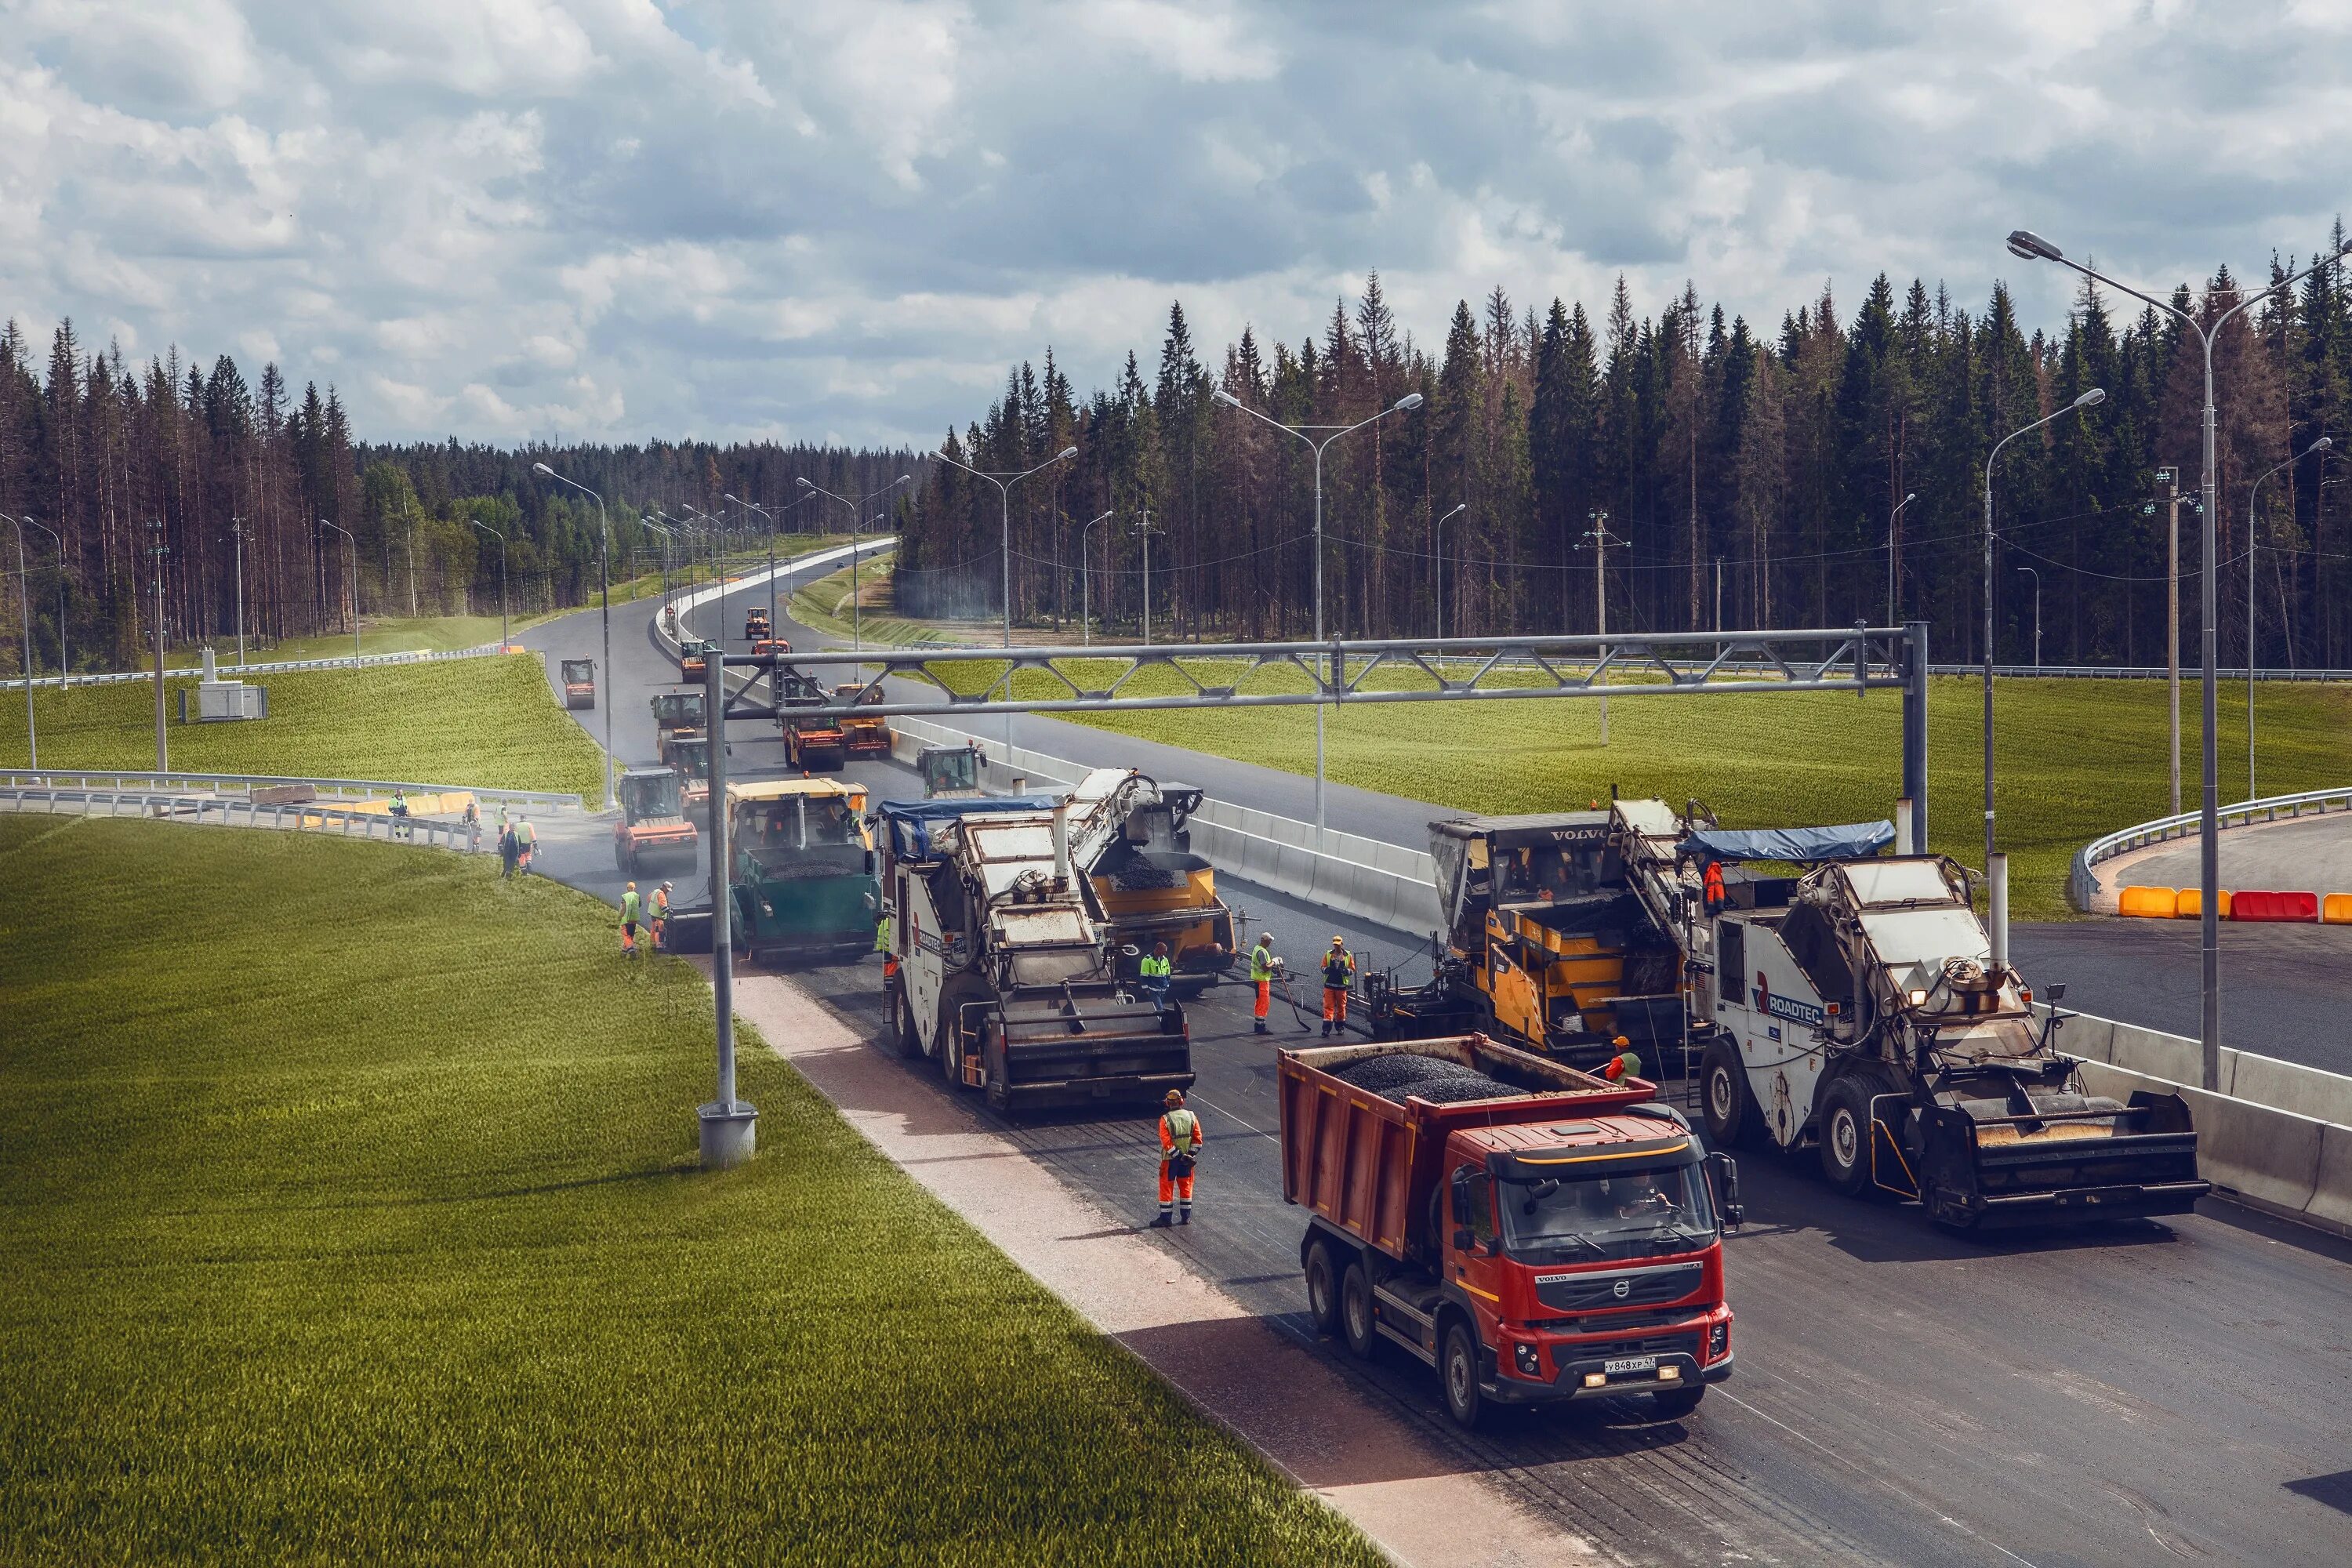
point(400, 812)
point(1339, 971)
point(882, 936)
point(632, 908)
point(526, 840)
point(1625, 1064)
point(1262, 961)
point(1179, 1149)
point(508, 850)
point(1155, 972)
point(1713, 883)
point(473, 826)
point(661, 917)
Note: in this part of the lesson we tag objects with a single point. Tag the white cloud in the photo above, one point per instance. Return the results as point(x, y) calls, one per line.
point(622, 218)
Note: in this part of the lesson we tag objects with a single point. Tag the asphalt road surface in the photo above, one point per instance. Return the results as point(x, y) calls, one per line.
point(2308, 854)
point(2127, 1393)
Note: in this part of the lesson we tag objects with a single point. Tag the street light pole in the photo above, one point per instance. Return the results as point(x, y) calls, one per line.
point(1338, 678)
point(857, 521)
point(1890, 519)
point(64, 675)
point(2090, 399)
point(1440, 543)
point(24, 613)
point(348, 535)
point(1085, 576)
point(504, 633)
point(1601, 539)
point(2037, 615)
point(156, 551)
point(2321, 445)
point(605, 576)
point(237, 528)
point(1005, 483)
point(2033, 247)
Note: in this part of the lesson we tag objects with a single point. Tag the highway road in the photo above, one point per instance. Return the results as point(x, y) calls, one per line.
point(2136, 1392)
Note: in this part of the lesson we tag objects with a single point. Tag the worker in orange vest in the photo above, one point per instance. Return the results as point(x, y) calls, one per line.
point(1625, 1064)
point(1714, 885)
point(1179, 1147)
point(1339, 969)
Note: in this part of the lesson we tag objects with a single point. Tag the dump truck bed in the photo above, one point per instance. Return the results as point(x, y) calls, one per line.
point(1368, 1164)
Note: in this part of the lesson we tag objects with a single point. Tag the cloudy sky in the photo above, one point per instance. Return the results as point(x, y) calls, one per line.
point(842, 219)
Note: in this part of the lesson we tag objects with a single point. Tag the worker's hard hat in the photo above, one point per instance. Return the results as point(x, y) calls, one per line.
point(1339, 942)
point(633, 887)
point(1173, 1097)
point(665, 882)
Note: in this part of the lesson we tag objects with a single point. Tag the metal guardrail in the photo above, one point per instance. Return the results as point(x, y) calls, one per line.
point(2083, 884)
point(180, 785)
point(2131, 672)
point(227, 811)
point(239, 671)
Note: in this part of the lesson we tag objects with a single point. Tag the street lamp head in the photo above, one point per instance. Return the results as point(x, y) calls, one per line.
point(1222, 396)
point(543, 469)
point(1908, 500)
point(2030, 246)
point(1066, 452)
point(804, 484)
point(2321, 445)
point(2092, 398)
point(904, 480)
point(1408, 402)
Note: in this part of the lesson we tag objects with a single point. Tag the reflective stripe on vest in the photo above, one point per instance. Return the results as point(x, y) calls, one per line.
point(1183, 1127)
point(1336, 970)
point(1154, 969)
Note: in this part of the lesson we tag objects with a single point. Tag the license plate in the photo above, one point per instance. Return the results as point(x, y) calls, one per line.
point(1631, 1364)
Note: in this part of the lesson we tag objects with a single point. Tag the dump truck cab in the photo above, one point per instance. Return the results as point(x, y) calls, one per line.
point(1532, 1234)
point(653, 831)
point(579, 683)
point(803, 874)
point(1545, 945)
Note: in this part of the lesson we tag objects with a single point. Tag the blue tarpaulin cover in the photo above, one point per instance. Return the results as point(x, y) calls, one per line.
point(908, 822)
point(1851, 841)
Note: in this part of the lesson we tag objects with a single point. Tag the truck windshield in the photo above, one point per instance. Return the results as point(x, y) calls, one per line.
point(1624, 1214)
point(1544, 873)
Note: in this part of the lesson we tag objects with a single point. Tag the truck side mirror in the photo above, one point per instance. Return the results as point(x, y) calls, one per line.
point(1463, 1238)
point(2057, 993)
point(1726, 1177)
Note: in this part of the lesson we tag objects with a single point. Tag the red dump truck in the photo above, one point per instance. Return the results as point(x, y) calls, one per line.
point(1531, 1233)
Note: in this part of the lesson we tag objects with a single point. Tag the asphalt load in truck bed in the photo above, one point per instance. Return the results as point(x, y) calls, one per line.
point(1438, 1080)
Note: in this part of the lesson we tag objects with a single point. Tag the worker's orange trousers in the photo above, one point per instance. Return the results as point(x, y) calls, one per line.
point(1172, 1188)
point(628, 936)
point(1264, 998)
point(1335, 1003)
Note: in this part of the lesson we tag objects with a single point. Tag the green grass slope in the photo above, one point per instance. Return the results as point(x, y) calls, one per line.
point(369, 1230)
point(2074, 759)
point(489, 722)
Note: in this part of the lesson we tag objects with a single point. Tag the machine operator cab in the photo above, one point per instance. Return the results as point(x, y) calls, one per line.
point(951, 772)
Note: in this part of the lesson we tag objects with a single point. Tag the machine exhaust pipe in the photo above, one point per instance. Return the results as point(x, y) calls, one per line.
point(1062, 845)
point(1903, 844)
point(1997, 881)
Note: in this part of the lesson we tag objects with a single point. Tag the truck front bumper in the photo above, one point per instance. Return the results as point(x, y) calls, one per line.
point(1574, 1361)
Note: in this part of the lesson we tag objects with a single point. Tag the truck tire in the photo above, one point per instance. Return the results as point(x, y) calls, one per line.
point(903, 1037)
point(1322, 1289)
point(1356, 1311)
point(1679, 1403)
point(1457, 1371)
point(1734, 1121)
point(1846, 1132)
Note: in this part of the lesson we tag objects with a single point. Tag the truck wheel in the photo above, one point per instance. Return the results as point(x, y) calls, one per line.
point(1846, 1132)
point(1733, 1118)
point(1356, 1311)
point(620, 856)
point(903, 1037)
point(1457, 1368)
point(1322, 1289)
point(1680, 1402)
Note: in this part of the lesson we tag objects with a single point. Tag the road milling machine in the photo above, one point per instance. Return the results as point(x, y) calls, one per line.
point(1007, 966)
point(1863, 1008)
point(1131, 833)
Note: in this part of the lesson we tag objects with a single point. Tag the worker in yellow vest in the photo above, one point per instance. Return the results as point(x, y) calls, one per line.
point(1179, 1150)
point(1262, 978)
point(1155, 974)
point(1339, 971)
point(633, 909)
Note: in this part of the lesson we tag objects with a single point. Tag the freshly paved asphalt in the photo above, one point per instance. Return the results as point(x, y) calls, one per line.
point(2306, 855)
point(2122, 1394)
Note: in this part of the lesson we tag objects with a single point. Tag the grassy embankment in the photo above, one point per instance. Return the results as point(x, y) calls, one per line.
point(370, 1230)
point(823, 605)
point(489, 722)
point(2074, 759)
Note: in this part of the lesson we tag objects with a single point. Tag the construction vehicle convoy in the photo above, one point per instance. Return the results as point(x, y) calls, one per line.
point(1531, 1233)
point(803, 872)
point(579, 683)
point(1861, 1009)
point(1005, 969)
point(653, 831)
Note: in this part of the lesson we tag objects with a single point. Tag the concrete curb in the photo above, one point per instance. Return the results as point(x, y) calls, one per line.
point(1417, 1504)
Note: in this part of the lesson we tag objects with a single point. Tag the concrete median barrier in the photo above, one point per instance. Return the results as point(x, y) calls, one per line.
point(2270, 1158)
point(2331, 1197)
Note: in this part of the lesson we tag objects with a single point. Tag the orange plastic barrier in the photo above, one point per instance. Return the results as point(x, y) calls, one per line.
point(2156, 903)
point(2335, 910)
point(2261, 905)
point(2191, 904)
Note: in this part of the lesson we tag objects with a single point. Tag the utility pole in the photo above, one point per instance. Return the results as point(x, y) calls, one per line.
point(1601, 539)
point(1144, 529)
point(236, 527)
point(2037, 615)
point(157, 549)
point(1718, 595)
point(2170, 479)
point(23, 611)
